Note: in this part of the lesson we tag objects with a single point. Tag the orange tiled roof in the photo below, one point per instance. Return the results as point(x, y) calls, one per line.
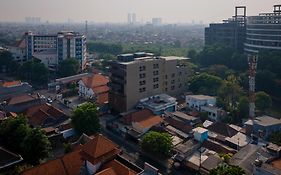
point(20, 99)
point(151, 121)
point(276, 164)
point(101, 89)
point(39, 113)
point(98, 149)
point(102, 98)
point(95, 80)
point(118, 168)
point(69, 164)
point(137, 116)
point(11, 83)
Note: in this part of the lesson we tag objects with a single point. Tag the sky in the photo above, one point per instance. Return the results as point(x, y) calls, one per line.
point(171, 11)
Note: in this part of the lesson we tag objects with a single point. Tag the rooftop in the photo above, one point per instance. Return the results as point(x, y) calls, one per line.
point(200, 130)
point(8, 158)
point(267, 121)
point(201, 97)
point(94, 81)
point(158, 101)
point(184, 116)
point(149, 122)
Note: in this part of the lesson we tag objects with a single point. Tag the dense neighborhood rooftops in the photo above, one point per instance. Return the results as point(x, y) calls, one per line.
point(267, 121)
point(158, 101)
point(222, 129)
point(21, 99)
point(149, 122)
point(184, 116)
point(12, 91)
point(137, 116)
point(200, 97)
point(10, 83)
point(95, 81)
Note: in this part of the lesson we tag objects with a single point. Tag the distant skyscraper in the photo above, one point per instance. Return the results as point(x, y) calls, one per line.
point(156, 21)
point(32, 20)
point(129, 18)
point(134, 18)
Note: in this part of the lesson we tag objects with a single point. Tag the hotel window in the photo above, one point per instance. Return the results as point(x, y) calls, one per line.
point(155, 79)
point(155, 86)
point(155, 66)
point(142, 75)
point(172, 87)
point(156, 72)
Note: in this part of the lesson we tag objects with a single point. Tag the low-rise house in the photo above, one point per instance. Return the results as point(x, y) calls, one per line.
point(94, 87)
point(144, 125)
point(238, 141)
point(13, 89)
point(8, 159)
point(136, 116)
point(200, 134)
point(20, 103)
point(197, 101)
point(159, 104)
point(45, 115)
point(99, 156)
point(221, 130)
point(247, 156)
point(214, 113)
point(210, 163)
point(263, 126)
point(187, 119)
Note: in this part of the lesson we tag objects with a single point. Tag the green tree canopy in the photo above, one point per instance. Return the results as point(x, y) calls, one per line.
point(102, 47)
point(225, 169)
point(205, 84)
point(35, 72)
point(7, 62)
point(157, 143)
point(243, 107)
point(221, 71)
point(263, 101)
point(31, 143)
point(69, 67)
point(85, 119)
point(35, 146)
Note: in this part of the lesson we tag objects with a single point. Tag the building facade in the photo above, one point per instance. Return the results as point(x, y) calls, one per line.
point(52, 49)
point(231, 32)
point(141, 75)
point(197, 101)
point(264, 31)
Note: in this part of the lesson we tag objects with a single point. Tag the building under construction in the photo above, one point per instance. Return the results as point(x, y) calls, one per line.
point(231, 32)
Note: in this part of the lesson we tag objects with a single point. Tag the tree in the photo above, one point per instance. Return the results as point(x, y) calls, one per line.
point(205, 84)
point(35, 146)
point(69, 67)
point(221, 71)
point(32, 143)
point(157, 143)
point(263, 101)
point(13, 132)
point(85, 119)
point(35, 72)
point(230, 91)
point(243, 107)
point(225, 169)
point(7, 62)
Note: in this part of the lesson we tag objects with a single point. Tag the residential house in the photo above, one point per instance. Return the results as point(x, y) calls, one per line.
point(159, 104)
point(263, 126)
point(13, 89)
point(187, 119)
point(45, 115)
point(20, 103)
point(197, 101)
point(219, 131)
point(136, 116)
point(98, 156)
point(8, 159)
point(200, 134)
point(94, 87)
point(214, 113)
point(144, 125)
point(177, 127)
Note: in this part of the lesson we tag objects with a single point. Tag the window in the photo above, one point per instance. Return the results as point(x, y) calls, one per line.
point(180, 85)
point(173, 75)
point(142, 75)
point(142, 89)
point(155, 86)
point(142, 82)
point(155, 79)
point(166, 76)
point(156, 72)
point(142, 68)
point(173, 82)
point(172, 87)
point(155, 66)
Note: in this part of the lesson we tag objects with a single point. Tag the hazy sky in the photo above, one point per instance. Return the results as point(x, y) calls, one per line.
point(171, 11)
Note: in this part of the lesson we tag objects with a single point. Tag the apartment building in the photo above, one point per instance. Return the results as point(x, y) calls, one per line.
point(52, 49)
point(140, 75)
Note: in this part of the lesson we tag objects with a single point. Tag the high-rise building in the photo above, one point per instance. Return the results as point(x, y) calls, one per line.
point(140, 75)
point(264, 31)
point(52, 49)
point(129, 18)
point(132, 18)
point(156, 21)
point(33, 20)
point(231, 32)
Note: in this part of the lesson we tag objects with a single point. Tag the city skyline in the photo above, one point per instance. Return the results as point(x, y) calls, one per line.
point(171, 11)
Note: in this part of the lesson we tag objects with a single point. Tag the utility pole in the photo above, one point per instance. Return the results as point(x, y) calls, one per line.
point(252, 61)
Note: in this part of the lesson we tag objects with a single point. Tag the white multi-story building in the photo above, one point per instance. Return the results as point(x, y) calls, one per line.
point(197, 101)
point(51, 49)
